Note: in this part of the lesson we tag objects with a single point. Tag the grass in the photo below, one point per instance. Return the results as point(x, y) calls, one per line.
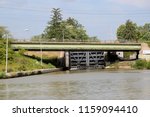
point(22, 63)
point(142, 64)
point(2, 75)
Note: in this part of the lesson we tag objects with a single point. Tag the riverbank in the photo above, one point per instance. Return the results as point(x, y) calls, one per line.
point(140, 64)
point(120, 65)
point(125, 65)
point(29, 73)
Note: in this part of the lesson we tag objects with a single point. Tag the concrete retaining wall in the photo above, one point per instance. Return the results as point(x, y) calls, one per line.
point(29, 73)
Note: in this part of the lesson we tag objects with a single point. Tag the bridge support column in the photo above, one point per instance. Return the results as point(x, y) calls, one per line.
point(66, 60)
point(137, 54)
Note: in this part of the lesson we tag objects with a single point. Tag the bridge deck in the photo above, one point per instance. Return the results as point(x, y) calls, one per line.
point(75, 46)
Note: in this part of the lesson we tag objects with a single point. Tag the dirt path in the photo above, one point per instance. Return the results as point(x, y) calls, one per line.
point(144, 47)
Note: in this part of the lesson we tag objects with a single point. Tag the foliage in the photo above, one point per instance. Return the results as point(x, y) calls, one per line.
point(120, 32)
point(21, 51)
point(140, 64)
point(3, 32)
point(22, 63)
point(128, 54)
point(145, 32)
point(63, 30)
point(17, 61)
point(131, 32)
point(148, 65)
point(3, 51)
point(128, 31)
point(54, 29)
point(2, 75)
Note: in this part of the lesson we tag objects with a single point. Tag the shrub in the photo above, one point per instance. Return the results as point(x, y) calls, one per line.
point(128, 54)
point(2, 75)
point(22, 68)
point(140, 64)
point(148, 65)
point(21, 51)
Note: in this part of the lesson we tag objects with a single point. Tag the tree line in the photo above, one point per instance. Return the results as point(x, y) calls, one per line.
point(130, 31)
point(70, 29)
point(58, 29)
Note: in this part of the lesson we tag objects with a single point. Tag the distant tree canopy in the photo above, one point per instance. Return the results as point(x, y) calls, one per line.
point(62, 30)
point(131, 32)
point(127, 31)
point(144, 32)
point(3, 31)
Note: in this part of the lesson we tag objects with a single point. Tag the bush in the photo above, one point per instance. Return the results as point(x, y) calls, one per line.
point(21, 51)
point(2, 75)
point(22, 68)
point(128, 54)
point(148, 65)
point(140, 64)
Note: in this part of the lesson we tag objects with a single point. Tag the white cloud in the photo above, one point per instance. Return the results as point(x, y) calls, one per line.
point(137, 3)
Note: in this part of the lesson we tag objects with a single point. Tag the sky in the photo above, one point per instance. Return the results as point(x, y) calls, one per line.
point(101, 18)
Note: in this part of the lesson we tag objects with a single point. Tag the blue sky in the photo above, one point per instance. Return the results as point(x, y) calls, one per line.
point(100, 18)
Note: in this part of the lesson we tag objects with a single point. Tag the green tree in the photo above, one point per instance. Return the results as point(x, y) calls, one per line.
point(120, 32)
point(53, 30)
point(3, 31)
point(73, 22)
point(75, 30)
point(144, 32)
point(62, 30)
point(128, 31)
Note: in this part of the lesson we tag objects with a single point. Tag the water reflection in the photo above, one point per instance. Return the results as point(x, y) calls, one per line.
point(76, 85)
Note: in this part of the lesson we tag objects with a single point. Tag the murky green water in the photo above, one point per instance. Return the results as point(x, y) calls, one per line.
point(79, 85)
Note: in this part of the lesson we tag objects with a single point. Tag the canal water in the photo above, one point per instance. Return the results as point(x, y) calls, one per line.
point(83, 85)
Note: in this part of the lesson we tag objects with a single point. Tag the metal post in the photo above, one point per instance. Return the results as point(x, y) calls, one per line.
point(6, 67)
point(41, 53)
point(63, 35)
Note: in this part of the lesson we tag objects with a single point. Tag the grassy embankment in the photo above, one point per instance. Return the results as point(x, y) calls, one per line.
point(18, 62)
point(141, 64)
point(22, 63)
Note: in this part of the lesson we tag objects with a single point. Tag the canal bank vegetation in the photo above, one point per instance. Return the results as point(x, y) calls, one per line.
point(17, 61)
point(128, 65)
point(121, 65)
point(141, 64)
point(131, 32)
point(22, 63)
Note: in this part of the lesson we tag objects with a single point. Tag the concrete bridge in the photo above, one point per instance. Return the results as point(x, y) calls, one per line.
point(81, 54)
point(75, 46)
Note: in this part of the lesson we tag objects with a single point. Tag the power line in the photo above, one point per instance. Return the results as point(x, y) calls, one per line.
point(84, 12)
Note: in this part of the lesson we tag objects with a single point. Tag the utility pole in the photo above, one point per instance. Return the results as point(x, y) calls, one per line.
point(6, 67)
